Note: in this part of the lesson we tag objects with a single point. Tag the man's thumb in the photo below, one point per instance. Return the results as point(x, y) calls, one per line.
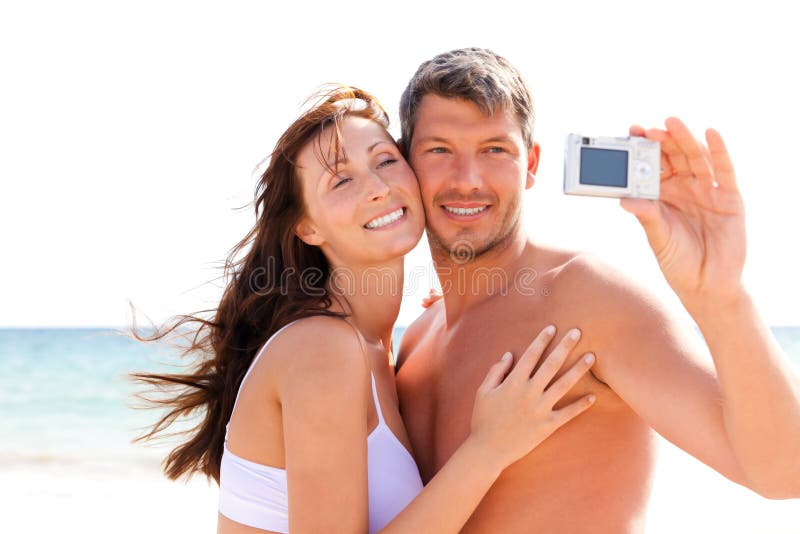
point(649, 214)
point(645, 210)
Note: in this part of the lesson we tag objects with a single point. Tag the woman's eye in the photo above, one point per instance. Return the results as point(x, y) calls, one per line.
point(342, 181)
point(386, 163)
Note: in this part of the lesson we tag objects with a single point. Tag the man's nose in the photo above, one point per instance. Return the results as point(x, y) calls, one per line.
point(467, 177)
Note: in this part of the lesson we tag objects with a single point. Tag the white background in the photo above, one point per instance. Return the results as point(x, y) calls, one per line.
point(128, 131)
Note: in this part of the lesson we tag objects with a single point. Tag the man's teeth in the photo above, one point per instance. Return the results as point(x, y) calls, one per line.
point(465, 211)
point(386, 219)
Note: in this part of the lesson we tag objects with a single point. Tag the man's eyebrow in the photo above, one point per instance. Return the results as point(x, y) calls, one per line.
point(432, 139)
point(495, 139)
point(499, 139)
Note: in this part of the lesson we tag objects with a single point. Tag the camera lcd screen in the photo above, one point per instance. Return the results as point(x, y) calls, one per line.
point(601, 166)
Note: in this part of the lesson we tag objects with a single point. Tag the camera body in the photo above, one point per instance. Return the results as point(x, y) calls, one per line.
point(612, 166)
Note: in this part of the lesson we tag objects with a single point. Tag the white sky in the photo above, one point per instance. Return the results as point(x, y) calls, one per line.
point(128, 132)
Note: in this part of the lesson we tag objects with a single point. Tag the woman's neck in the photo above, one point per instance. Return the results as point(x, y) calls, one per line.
point(371, 296)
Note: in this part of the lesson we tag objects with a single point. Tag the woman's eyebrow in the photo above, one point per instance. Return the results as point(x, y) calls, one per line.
point(376, 143)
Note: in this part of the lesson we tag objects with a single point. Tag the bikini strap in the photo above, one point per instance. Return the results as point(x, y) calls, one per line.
point(377, 402)
point(252, 365)
point(365, 355)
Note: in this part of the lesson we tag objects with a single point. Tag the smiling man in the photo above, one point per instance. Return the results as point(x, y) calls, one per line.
point(467, 124)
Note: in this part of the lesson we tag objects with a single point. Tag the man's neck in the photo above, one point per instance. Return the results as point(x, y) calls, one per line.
point(495, 272)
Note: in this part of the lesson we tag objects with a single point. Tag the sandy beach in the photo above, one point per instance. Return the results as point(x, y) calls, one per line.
point(67, 463)
point(100, 497)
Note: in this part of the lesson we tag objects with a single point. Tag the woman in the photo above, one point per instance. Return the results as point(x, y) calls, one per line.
point(301, 425)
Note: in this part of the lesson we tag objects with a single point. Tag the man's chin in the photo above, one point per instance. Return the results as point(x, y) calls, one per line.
point(459, 249)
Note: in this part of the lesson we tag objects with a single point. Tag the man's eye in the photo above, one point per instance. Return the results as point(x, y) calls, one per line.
point(386, 163)
point(343, 181)
point(496, 149)
point(438, 150)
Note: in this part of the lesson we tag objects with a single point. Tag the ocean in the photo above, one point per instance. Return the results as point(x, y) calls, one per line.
point(65, 395)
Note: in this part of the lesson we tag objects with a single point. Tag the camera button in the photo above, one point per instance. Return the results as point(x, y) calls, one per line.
point(644, 170)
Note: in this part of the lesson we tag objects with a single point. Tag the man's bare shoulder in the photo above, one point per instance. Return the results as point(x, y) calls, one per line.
point(621, 318)
point(597, 286)
point(418, 329)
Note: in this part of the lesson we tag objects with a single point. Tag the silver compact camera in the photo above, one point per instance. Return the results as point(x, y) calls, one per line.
point(612, 166)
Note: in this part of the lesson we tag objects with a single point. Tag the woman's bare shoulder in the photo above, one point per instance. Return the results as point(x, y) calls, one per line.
point(318, 351)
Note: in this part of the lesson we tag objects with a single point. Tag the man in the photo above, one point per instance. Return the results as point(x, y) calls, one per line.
point(467, 123)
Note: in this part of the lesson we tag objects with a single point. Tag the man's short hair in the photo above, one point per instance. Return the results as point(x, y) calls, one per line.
point(475, 74)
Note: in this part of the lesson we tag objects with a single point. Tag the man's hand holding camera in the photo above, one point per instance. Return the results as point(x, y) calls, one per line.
point(697, 227)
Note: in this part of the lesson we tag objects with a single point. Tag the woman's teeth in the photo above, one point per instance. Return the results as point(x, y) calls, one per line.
point(386, 219)
point(465, 211)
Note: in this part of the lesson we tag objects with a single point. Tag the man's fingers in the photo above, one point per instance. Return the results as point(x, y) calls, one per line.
point(648, 212)
point(669, 148)
point(497, 372)
point(532, 354)
point(723, 168)
point(560, 387)
point(549, 368)
point(666, 168)
point(570, 411)
point(637, 131)
point(693, 150)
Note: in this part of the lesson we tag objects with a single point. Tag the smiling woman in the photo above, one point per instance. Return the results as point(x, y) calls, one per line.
point(346, 165)
point(294, 381)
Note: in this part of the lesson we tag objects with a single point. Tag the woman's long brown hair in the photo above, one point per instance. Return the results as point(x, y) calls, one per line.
point(272, 278)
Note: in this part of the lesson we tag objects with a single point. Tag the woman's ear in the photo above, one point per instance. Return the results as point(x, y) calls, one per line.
point(307, 233)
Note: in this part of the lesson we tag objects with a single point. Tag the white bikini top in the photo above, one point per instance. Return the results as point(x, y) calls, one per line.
point(256, 495)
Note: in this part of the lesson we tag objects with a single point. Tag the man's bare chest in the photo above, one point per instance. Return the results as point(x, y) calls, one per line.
point(439, 379)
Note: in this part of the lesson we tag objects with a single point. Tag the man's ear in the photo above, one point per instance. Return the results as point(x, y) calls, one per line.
point(533, 164)
point(307, 233)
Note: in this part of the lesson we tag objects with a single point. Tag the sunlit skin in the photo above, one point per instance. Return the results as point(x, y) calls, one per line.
point(594, 474)
point(307, 406)
point(452, 174)
point(372, 179)
point(343, 192)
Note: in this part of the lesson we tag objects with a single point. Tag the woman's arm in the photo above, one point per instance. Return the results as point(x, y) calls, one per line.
point(325, 401)
point(511, 417)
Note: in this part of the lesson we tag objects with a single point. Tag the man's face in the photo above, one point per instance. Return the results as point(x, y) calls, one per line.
point(472, 171)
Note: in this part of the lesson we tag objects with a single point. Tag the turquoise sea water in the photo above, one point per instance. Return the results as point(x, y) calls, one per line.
point(65, 395)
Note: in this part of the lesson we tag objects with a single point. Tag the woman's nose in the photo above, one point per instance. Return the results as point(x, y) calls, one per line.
point(377, 187)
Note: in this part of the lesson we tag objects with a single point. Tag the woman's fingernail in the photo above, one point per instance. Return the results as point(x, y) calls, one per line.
point(574, 334)
point(591, 399)
point(589, 358)
point(506, 356)
point(550, 330)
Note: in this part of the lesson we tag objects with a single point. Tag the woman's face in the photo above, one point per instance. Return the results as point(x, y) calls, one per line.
point(362, 205)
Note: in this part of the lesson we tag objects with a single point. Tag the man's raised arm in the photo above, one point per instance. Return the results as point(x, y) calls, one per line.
point(697, 232)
